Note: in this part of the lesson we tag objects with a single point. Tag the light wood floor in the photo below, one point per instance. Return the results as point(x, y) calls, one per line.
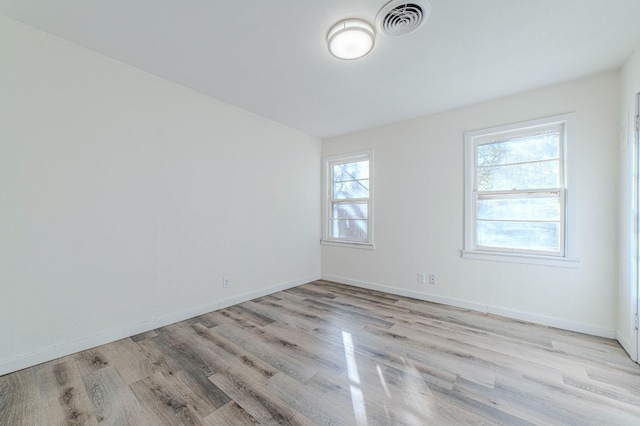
point(325, 353)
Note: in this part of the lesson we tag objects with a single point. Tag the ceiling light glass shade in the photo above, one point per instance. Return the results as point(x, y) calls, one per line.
point(351, 39)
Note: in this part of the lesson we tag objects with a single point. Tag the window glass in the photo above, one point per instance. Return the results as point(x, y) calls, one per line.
point(520, 149)
point(537, 236)
point(349, 228)
point(542, 208)
point(351, 189)
point(350, 211)
point(351, 171)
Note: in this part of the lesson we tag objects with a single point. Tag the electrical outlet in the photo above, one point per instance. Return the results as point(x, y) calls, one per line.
point(422, 277)
point(226, 281)
point(432, 279)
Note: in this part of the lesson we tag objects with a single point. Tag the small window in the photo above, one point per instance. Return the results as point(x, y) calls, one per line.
point(348, 199)
point(516, 190)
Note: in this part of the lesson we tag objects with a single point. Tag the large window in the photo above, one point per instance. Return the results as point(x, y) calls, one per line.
point(517, 197)
point(348, 203)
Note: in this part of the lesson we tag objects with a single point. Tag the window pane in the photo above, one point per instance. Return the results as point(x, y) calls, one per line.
point(352, 189)
point(351, 171)
point(545, 174)
point(543, 236)
point(354, 229)
point(521, 208)
point(524, 149)
point(350, 211)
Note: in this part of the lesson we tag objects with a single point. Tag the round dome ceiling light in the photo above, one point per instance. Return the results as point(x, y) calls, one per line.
point(351, 39)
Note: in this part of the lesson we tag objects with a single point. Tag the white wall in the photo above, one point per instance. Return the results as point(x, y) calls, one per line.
point(419, 212)
point(124, 200)
point(628, 285)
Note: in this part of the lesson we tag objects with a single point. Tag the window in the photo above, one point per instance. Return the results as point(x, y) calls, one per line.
point(348, 199)
point(517, 203)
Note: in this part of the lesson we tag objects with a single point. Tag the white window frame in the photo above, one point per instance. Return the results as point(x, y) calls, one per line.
point(567, 256)
point(328, 202)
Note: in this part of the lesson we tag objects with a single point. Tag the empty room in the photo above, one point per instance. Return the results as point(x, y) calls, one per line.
point(319, 212)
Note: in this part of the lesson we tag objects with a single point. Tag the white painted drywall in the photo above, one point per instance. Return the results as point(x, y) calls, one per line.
point(628, 285)
point(125, 198)
point(419, 212)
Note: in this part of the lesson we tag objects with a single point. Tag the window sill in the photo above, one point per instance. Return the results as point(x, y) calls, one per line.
point(350, 244)
point(562, 262)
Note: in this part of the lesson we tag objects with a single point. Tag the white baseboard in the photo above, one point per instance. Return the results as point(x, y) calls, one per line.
point(54, 352)
point(263, 292)
point(626, 345)
point(474, 306)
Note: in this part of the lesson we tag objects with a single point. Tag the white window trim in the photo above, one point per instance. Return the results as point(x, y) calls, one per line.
point(326, 204)
point(569, 257)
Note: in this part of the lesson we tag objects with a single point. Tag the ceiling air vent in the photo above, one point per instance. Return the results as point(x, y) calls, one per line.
point(398, 18)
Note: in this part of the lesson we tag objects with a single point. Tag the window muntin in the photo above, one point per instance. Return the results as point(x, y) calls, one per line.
point(348, 199)
point(517, 198)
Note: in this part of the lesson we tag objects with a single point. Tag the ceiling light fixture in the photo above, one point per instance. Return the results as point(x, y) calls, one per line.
point(351, 39)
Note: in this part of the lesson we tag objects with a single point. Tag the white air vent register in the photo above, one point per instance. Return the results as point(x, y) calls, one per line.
point(398, 18)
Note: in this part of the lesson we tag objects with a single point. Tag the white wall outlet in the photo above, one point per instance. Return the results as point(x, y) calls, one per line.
point(422, 277)
point(432, 279)
point(226, 281)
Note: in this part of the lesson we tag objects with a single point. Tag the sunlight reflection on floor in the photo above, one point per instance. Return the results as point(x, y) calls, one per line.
point(357, 399)
point(417, 397)
point(408, 397)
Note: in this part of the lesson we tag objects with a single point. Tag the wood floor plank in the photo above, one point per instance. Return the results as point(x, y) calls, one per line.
point(313, 292)
point(257, 401)
point(390, 348)
point(91, 360)
point(508, 352)
point(561, 405)
point(630, 382)
point(167, 404)
point(327, 353)
point(273, 355)
point(112, 401)
point(297, 346)
point(311, 404)
point(415, 401)
point(324, 352)
point(230, 414)
point(519, 330)
point(351, 315)
point(372, 295)
point(489, 397)
point(255, 317)
point(19, 399)
point(231, 355)
point(299, 316)
point(63, 392)
point(142, 336)
point(614, 393)
point(476, 350)
point(192, 365)
point(127, 358)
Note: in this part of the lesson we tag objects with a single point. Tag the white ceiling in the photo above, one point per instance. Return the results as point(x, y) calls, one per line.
point(270, 56)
